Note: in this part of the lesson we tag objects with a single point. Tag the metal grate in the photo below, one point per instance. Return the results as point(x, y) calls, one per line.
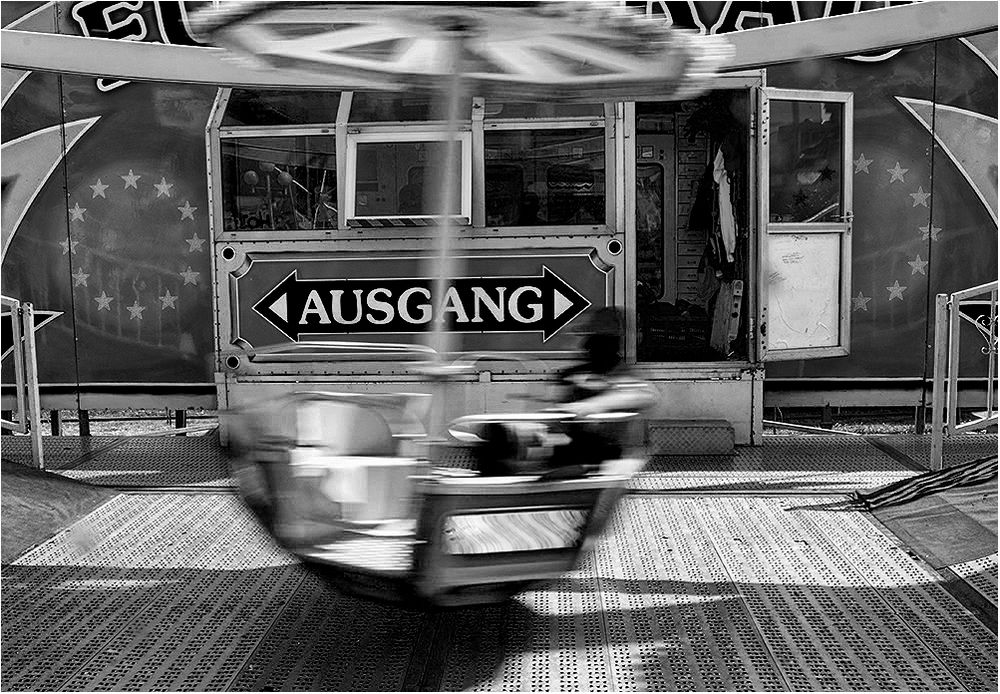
point(981, 575)
point(158, 462)
point(675, 621)
point(957, 449)
point(786, 464)
point(60, 451)
point(148, 592)
point(950, 636)
point(324, 640)
point(699, 438)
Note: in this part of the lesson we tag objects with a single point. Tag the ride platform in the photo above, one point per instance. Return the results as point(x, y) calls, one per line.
point(748, 571)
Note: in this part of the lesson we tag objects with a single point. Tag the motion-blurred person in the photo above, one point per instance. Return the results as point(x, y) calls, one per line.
point(603, 403)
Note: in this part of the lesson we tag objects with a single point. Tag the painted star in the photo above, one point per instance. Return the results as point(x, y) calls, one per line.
point(168, 300)
point(187, 212)
point(131, 180)
point(918, 265)
point(190, 276)
point(920, 197)
point(860, 302)
point(896, 291)
point(76, 213)
point(930, 231)
point(99, 189)
point(195, 243)
point(135, 310)
point(897, 173)
point(69, 245)
point(104, 301)
point(862, 164)
point(80, 278)
point(163, 188)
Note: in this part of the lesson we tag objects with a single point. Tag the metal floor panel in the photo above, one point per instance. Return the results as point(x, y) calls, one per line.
point(60, 451)
point(170, 461)
point(956, 449)
point(760, 481)
point(324, 640)
point(952, 636)
point(683, 593)
point(148, 592)
point(981, 575)
point(675, 620)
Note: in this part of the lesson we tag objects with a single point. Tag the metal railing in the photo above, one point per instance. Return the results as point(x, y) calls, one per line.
point(29, 412)
point(981, 312)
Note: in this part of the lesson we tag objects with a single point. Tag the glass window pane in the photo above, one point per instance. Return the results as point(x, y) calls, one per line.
point(279, 183)
point(537, 177)
point(506, 110)
point(806, 171)
point(391, 178)
point(381, 107)
point(649, 223)
point(250, 107)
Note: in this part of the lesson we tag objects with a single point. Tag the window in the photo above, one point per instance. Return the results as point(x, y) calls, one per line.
point(545, 176)
point(252, 108)
point(806, 176)
point(279, 183)
point(394, 175)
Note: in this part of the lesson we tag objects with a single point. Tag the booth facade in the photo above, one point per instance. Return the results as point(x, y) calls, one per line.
point(720, 224)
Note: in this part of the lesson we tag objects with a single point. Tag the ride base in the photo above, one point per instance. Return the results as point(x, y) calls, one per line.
point(747, 571)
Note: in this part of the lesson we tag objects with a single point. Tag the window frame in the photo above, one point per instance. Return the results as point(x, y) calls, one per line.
point(605, 123)
point(239, 132)
point(409, 132)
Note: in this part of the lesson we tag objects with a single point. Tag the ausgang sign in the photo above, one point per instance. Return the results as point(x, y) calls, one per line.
point(542, 302)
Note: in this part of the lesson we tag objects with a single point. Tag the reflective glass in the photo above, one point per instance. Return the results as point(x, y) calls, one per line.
point(250, 108)
point(539, 177)
point(516, 109)
point(806, 167)
point(279, 183)
point(391, 178)
point(381, 107)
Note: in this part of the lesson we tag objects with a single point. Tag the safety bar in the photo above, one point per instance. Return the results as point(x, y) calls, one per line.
point(22, 315)
point(948, 319)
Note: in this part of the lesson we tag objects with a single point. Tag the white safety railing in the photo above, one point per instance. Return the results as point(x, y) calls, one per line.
point(981, 313)
point(29, 413)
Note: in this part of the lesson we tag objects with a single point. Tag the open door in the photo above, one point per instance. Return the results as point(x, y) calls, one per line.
point(806, 215)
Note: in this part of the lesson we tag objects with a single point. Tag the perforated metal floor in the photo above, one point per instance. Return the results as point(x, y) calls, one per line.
point(139, 461)
point(182, 592)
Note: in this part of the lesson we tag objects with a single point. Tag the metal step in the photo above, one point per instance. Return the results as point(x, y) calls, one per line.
point(691, 437)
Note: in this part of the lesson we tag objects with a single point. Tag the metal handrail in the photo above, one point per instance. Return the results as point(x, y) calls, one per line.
point(29, 421)
point(948, 319)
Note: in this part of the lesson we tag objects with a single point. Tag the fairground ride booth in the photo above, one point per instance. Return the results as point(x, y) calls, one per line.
point(688, 214)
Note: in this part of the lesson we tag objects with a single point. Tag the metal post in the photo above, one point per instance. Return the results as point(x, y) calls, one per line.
point(83, 417)
point(954, 323)
point(991, 356)
point(180, 420)
point(31, 369)
point(938, 392)
point(55, 421)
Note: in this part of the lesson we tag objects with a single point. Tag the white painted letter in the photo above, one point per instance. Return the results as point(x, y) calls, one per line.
point(338, 309)
point(383, 306)
point(480, 298)
point(534, 309)
point(425, 309)
point(453, 303)
point(314, 305)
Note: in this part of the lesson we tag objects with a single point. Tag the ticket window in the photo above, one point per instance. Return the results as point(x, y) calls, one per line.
point(691, 252)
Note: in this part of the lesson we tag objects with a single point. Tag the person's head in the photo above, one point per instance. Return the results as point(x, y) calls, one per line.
point(602, 338)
